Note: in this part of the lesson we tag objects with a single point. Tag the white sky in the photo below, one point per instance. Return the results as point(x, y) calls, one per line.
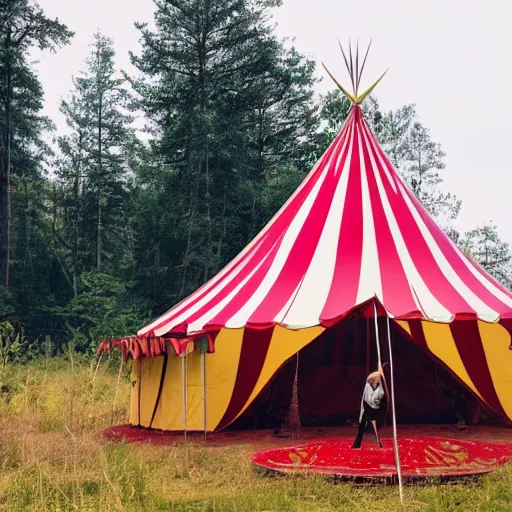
point(449, 57)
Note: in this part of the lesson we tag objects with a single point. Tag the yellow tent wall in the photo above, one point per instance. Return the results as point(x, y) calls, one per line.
point(244, 362)
point(222, 370)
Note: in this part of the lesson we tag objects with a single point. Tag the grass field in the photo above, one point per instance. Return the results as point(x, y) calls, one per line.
point(51, 459)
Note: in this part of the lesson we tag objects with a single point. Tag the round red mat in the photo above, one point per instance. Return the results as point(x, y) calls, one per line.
point(420, 457)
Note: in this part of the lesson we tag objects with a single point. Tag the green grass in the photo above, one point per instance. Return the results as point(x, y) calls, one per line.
point(51, 459)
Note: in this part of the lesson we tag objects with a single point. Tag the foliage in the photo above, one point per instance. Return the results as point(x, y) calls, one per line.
point(485, 247)
point(23, 26)
point(420, 161)
point(102, 308)
point(226, 105)
point(16, 348)
point(9, 345)
point(90, 229)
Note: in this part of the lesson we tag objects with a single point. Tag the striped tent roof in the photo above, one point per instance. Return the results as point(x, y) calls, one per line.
point(353, 231)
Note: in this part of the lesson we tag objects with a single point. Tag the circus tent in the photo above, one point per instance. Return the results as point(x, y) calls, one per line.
point(351, 239)
point(353, 231)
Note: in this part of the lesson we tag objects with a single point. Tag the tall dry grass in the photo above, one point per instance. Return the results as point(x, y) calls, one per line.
point(51, 459)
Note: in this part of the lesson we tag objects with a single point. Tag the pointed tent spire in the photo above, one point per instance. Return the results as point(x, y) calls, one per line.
point(355, 74)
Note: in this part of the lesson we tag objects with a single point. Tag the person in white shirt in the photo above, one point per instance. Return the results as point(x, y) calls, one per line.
point(375, 395)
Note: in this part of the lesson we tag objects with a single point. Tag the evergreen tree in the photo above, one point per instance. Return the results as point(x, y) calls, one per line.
point(92, 228)
point(225, 103)
point(419, 159)
point(94, 169)
point(485, 247)
point(23, 26)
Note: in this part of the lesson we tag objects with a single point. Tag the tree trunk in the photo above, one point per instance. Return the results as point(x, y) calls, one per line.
point(98, 240)
point(4, 228)
point(202, 55)
point(54, 239)
point(24, 245)
point(99, 177)
point(5, 174)
point(191, 219)
point(76, 227)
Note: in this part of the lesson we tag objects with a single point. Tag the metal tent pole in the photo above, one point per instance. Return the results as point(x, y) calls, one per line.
point(203, 356)
point(393, 415)
point(139, 391)
point(368, 349)
point(379, 361)
point(184, 386)
point(117, 388)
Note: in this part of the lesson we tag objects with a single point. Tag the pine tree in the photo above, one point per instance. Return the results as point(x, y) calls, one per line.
point(225, 104)
point(23, 26)
point(420, 160)
point(94, 168)
point(485, 247)
point(93, 203)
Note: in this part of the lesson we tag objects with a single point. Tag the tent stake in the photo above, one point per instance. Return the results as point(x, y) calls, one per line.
point(393, 415)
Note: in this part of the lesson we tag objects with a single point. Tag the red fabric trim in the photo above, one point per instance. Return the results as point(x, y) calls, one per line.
point(134, 348)
point(104, 346)
point(146, 346)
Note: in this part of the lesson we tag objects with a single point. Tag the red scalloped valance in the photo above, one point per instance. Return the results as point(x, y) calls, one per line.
point(152, 346)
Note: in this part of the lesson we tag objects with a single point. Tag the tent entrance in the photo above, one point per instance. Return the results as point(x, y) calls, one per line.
point(332, 373)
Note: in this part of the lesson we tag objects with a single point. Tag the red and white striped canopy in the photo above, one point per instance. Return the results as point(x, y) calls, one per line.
point(351, 232)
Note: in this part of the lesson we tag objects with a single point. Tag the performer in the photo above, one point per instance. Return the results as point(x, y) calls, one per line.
point(375, 396)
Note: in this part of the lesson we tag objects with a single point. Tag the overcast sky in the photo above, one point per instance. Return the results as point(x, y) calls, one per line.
point(449, 57)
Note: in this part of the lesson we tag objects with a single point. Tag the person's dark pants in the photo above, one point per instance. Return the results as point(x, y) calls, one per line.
point(369, 414)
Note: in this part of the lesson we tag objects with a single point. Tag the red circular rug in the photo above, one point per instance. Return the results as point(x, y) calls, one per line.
point(420, 458)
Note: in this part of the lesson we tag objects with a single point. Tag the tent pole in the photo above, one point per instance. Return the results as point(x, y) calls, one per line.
point(368, 341)
point(184, 386)
point(377, 341)
point(117, 388)
point(379, 361)
point(393, 414)
point(203, 356)
point(139, 390)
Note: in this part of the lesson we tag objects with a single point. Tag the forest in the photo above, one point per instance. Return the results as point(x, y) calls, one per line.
point(106, 225)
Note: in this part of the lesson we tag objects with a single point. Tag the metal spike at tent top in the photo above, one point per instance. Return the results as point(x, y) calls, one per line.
point(357, 66)
point(342, 89)
point(351, 68)
point(344, 57)
point(355, 77)
point(364, 62)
